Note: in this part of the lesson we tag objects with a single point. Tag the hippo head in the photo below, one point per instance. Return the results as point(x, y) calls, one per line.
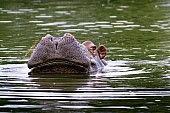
point(59, 55)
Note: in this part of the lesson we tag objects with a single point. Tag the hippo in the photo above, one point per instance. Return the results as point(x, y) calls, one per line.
point(63, 55)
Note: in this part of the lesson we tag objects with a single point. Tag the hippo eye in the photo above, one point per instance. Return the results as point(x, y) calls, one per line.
point(92, 48)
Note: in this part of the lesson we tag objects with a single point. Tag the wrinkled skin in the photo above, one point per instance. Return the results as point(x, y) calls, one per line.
point(62, 55)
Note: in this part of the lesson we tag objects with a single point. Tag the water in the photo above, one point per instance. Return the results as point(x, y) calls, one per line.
point(136, 34)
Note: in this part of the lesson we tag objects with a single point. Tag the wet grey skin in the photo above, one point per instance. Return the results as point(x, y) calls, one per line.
point(62, 55)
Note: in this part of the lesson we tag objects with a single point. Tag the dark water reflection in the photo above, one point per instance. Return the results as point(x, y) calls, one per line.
point(135, 32)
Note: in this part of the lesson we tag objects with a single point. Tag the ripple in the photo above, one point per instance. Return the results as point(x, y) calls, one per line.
point(25, 10)
point(8, 57)
point(5, 10)
point(125, 26)
point(122, 21)
point(86, 23)
point(15, 12)
point(63, 12)
point(11, 51)
point(91, 26)
point(115, 23)
point(165, 4)
point(133, 25)
point(5, 21)
point(113, 16)
point(118, 9)
point(35, 21)
point(124, 7)
point(71, 30)
point(41, 33)
point(105, 26)
point(90, 107)
point(102, 22)
point(94, 32)
point(41, 9)
point(118, 31)
point(2, 49)
point(43, 16)
point(45, 29)
point(21, 106)
point(154, 25)
point(52, 24)
point(67, 26)
point(64, 7)
point(93, 29)
point(115, 74)
point(146, 30)
point(66, 92)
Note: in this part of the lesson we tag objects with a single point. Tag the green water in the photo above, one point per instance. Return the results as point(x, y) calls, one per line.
point(135, 32)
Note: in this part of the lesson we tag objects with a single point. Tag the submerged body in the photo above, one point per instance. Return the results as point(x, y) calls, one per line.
point(62, 55)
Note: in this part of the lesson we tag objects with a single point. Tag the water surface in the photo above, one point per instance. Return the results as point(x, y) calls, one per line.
point(136, 34)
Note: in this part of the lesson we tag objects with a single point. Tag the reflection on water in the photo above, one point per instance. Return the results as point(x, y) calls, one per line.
point(136, 35)
point(118, 88)
point(63, 92)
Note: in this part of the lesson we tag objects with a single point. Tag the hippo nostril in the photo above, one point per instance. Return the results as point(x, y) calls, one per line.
point(56, 46)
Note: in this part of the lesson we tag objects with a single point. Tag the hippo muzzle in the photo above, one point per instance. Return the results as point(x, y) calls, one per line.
point(62, 55)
